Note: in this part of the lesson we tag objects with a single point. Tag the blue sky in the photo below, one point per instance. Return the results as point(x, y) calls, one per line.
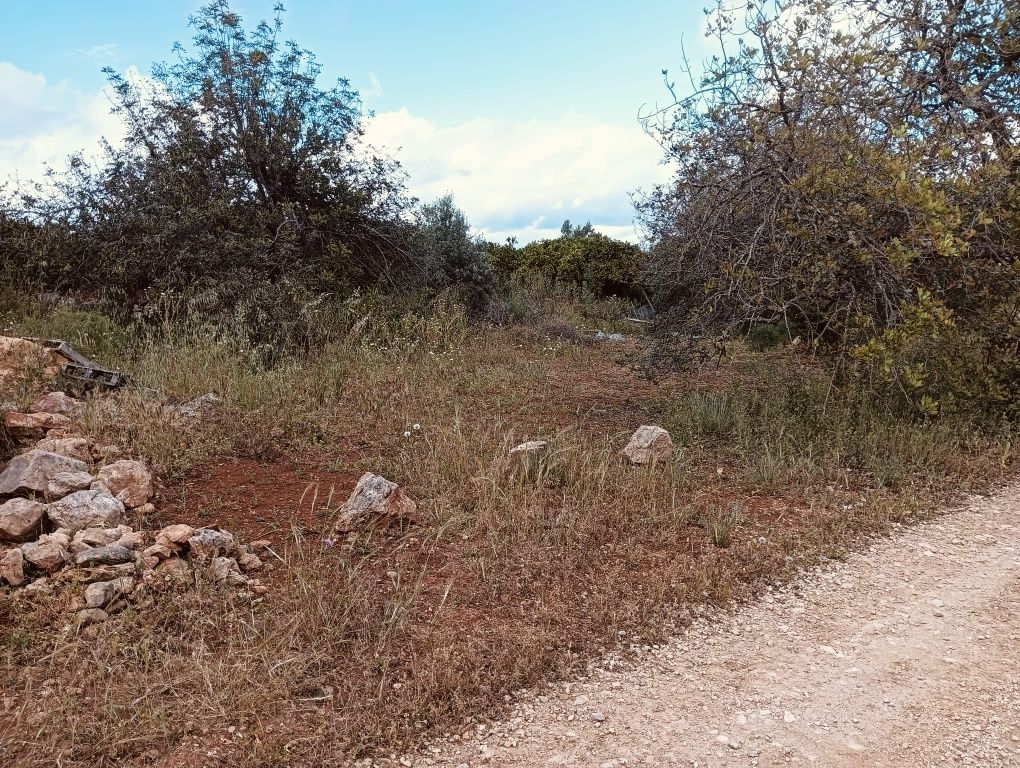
point(525, 111)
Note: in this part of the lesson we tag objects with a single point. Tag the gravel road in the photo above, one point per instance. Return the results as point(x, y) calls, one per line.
point(906, 654)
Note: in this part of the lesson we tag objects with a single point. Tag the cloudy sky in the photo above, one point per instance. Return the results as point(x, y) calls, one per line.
point(526, 111)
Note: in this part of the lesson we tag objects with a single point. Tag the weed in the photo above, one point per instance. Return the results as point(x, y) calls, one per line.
point(721, 523)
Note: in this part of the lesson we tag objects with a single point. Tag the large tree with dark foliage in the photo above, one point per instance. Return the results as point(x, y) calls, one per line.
point(238, 170)
point(850, 169)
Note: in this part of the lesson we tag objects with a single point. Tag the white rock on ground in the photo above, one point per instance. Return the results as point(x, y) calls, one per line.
point(31, 472)
point(86, 509)
point(111, 554)
point(648, 444)
point(130, 481)
point(208, 543)
point(530, 448)
point(374, 496)
point(21, 359)
point(175, 534)
point(20, 519)
point(100, 594)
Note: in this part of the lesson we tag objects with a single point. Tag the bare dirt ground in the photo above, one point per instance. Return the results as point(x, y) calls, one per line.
point(906, 654)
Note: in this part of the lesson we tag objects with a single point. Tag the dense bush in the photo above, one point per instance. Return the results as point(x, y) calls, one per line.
point(237, 166)
point(863, 187)
point(581, 257)
point(449, 254)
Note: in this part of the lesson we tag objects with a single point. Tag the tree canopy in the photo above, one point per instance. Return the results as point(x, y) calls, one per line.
point(237, 166)
point(850, 169)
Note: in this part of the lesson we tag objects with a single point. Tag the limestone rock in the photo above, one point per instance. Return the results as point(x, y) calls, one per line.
point(648, 444)
point(157, 553)
point(249, 562)
point(87, 538)
point(33, 426)
point(41, 587)
point(90, 616)
point(207, 543)
point(374, 496)
point(106, 452)
point(100, 594)
point(75, 447)
point(224, 569)
point(45, 554)
point(199, 406)
point(65, 483)
point(58, 402)
point(85, 509)
point(101, 572)
point(31, 472)
point(12, 567)
point(111, 554)
point(131, 539)
point(170, 574)
point(23, 360)
point(530, 448)
point(20, 519)
point(129, 481)
point(176, 534)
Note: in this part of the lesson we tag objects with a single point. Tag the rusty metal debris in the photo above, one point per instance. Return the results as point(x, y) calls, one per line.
point(79, 368)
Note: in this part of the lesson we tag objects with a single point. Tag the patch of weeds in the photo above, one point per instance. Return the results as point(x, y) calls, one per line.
point(18, 640)
point(720, 523)
point(712, 414)
point(888, 474)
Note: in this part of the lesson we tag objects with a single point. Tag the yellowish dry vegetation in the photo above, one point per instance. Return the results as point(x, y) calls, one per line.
point(509, 577)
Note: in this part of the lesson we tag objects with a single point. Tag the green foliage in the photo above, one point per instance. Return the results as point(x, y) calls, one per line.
point(862, 188)
point(581, 257)
point(767, 336)
point(449, 254)
point(721, 523)
point(237, 166)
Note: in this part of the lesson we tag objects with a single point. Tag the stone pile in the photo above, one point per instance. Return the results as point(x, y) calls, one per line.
point(64, 505)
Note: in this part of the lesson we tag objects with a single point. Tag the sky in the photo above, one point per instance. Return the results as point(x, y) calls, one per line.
point(526, 111)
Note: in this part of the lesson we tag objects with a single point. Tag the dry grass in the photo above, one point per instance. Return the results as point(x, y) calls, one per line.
point(512, 576)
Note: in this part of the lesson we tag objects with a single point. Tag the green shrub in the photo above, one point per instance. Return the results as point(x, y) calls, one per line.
point(764, 337)
point(580, 258)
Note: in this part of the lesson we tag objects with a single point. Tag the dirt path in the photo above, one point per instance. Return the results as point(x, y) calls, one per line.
point(907, 654)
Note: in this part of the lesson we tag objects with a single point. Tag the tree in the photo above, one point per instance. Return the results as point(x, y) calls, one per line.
point(237, 168)
point(449, 253)
point(849, 168)
point(579, 258)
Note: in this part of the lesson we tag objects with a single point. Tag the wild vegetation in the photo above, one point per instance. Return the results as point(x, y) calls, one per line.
point(849, 170)
point(833, 352)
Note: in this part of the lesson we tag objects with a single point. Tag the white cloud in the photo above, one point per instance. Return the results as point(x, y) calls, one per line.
point(524, 177)
point(520, 178)
point(107, 53)
point(41, 123)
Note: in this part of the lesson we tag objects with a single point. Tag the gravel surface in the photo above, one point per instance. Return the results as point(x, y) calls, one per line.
point(906, 654)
